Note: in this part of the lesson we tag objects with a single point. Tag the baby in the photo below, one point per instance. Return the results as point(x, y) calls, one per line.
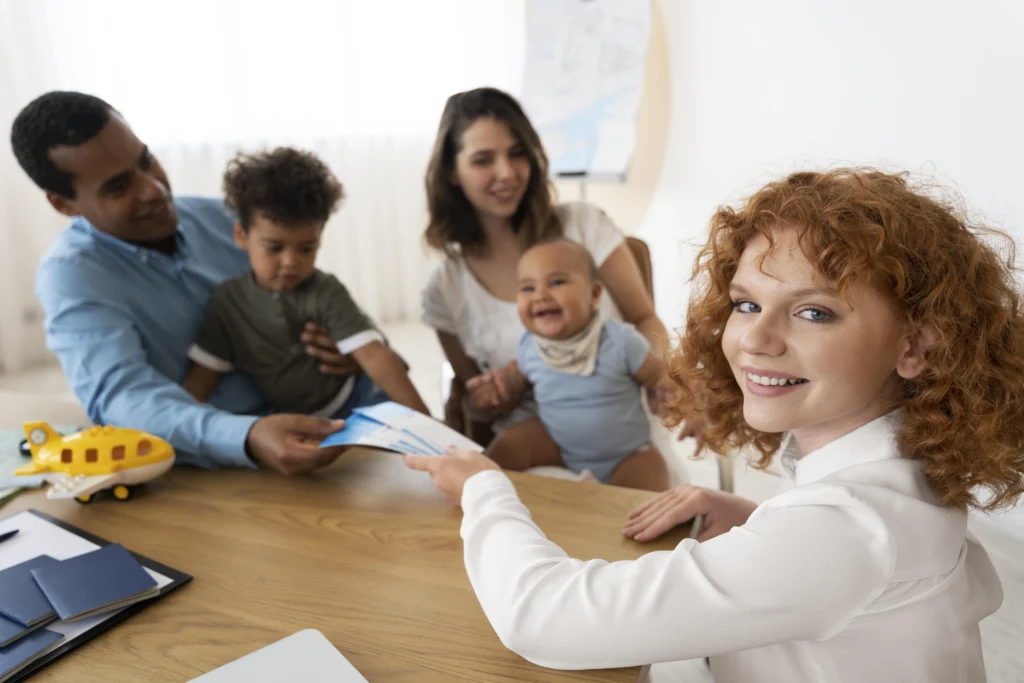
point(587, 375)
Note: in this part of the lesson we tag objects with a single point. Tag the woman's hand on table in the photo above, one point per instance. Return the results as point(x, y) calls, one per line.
point(720, 511)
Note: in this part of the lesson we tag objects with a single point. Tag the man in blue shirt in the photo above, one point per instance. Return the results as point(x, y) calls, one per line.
point(125, 286)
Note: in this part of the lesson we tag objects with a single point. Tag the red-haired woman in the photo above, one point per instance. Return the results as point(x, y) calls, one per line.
point(865, 332)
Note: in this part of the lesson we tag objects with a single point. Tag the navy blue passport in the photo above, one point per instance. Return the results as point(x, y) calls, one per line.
point(24, 651)
point(10, 630)
point(100, 581)
point(20, 597)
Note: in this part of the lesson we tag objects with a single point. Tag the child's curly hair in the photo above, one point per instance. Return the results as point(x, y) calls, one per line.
point(964, 415)
point(286, 185)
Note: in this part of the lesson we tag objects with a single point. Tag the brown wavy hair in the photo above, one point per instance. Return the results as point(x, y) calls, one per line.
point(963, 417)
point(453, 222)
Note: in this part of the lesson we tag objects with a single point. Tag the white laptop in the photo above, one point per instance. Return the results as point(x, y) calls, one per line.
point(305, 656)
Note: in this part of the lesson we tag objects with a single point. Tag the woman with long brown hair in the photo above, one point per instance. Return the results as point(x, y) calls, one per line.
point(490, 199)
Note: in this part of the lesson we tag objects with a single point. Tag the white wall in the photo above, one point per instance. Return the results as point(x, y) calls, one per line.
point(763, 88)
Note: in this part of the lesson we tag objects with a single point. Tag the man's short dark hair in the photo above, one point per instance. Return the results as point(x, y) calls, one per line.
point(54, 119)
point(287, 186)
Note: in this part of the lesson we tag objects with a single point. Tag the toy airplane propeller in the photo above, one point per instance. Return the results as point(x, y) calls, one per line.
point(82, 464)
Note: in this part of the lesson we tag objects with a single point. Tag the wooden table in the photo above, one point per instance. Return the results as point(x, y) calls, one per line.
point(366, 551)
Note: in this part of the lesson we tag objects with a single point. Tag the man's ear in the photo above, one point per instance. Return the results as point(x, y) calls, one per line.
point(915, 343)
point(63, 204)
point(241, 236)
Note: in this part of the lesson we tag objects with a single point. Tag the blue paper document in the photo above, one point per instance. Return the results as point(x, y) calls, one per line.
point(394, 427)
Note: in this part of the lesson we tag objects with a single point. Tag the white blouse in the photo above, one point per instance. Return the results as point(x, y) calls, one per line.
point(489, 328)
point(852, 573)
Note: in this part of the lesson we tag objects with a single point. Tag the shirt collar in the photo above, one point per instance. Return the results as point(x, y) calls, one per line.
point(180, 241)
point(873, 442)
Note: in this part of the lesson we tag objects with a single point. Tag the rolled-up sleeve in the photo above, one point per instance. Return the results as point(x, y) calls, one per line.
point(101, 352)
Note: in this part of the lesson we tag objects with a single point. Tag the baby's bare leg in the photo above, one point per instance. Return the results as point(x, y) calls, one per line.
point(525, 445)
point(645, 469)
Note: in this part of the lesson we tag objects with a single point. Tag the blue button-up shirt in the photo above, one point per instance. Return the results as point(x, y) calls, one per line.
point(121, 319)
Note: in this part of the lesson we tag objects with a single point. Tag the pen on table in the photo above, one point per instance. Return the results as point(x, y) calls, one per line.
point(7, 534)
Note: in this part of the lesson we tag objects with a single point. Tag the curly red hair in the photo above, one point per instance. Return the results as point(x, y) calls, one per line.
point(964, 416)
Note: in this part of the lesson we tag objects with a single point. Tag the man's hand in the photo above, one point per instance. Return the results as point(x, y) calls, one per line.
point(288, 443)
point(319, 345)
point(451, 470)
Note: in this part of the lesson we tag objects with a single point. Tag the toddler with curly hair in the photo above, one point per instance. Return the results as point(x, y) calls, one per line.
point(282, 199)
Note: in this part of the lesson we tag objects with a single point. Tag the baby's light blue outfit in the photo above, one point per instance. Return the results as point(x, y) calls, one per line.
point(597, 420)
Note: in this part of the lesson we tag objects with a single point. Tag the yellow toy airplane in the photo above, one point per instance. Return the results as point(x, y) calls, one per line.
point(80, 465)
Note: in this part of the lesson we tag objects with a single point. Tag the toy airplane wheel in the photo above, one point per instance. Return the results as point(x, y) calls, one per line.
point(122, 492)
point(84, 499)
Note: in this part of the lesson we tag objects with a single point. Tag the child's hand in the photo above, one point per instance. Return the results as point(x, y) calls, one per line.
point(660, 396)
point(451, 470)
point(319, 345)
point(511, 384)
point(666, 393)
point(497, 391)
point(483, 392)
point(693, 427)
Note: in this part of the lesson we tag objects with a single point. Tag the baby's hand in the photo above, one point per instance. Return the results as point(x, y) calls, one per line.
point(483, 392)
point(665, 393)
point(693, 428)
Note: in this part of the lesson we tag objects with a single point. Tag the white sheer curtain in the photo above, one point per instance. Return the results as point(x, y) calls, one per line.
point(360, 83)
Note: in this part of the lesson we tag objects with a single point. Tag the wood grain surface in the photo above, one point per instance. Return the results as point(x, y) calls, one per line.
point(366, 551)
